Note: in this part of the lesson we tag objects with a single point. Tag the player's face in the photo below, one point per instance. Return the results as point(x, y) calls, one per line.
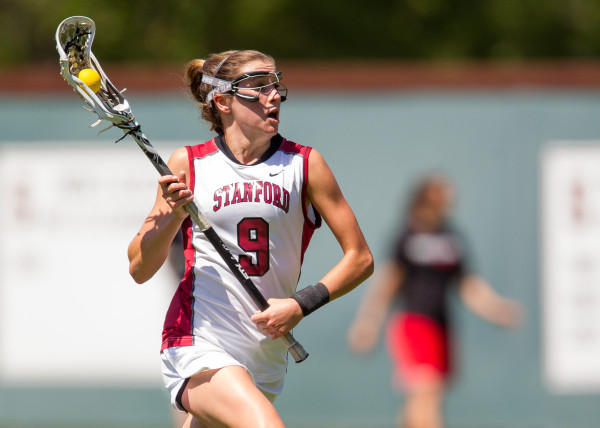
point(439, 197)
point(258, 117)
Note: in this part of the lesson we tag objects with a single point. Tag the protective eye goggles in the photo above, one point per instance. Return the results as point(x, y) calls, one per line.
point(247, 86)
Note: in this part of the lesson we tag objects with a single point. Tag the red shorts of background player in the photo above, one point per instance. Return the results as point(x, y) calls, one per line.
point(419, 348)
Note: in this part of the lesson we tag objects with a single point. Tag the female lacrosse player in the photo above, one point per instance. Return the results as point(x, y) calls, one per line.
point(428, 259)
point(264, 195)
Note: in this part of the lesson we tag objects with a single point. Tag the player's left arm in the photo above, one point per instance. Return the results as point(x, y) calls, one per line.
point(355, 266)
point(479, 296)
point(326, 196)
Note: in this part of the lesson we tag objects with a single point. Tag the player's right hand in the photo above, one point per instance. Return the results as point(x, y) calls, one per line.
point(176, 193)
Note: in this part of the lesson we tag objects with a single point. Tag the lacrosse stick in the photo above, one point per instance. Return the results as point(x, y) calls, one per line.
point(74, 37)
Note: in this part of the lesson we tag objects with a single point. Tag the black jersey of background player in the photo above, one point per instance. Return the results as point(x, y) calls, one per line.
point(432, 263)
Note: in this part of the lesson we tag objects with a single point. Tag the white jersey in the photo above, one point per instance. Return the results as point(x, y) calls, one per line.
point(260, 213)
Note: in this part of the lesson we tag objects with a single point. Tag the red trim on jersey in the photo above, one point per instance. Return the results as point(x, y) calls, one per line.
point(178, 327)
point(201, 150)
point(309, 226)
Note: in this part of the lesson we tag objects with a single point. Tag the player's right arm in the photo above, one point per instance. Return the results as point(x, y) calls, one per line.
point(364, 331)
point(150, 247)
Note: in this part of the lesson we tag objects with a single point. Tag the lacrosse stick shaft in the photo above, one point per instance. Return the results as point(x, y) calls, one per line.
point(294, 348)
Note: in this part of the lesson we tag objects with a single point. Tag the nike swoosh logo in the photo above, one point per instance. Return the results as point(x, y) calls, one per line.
point(273, 174)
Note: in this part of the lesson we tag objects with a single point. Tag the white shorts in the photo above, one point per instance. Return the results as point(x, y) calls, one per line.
point(182, 362)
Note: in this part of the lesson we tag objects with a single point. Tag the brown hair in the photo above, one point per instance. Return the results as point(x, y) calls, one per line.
point(226, 65)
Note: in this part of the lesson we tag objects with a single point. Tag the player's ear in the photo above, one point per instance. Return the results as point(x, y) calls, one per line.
point(222, 103)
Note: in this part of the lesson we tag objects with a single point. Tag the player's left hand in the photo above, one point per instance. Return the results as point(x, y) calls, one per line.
point(279, 318)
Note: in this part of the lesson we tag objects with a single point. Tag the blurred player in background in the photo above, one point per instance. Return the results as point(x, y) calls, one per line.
point(427, 261)
point(264, 196)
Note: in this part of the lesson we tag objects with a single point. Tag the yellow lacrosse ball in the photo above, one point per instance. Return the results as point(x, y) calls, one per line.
point(91, 78)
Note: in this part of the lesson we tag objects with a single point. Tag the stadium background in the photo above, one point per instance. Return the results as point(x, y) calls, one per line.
point(381, 117)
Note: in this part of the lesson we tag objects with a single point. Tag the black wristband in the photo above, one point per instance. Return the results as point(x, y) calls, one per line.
point(311, 298)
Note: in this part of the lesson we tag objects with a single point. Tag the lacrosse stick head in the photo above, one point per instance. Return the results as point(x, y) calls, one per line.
point(74, 37)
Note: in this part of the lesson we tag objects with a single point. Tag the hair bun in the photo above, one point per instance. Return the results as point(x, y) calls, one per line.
point(194, 70)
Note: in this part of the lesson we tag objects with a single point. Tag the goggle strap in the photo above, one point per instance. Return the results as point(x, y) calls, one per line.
point(221, 86)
